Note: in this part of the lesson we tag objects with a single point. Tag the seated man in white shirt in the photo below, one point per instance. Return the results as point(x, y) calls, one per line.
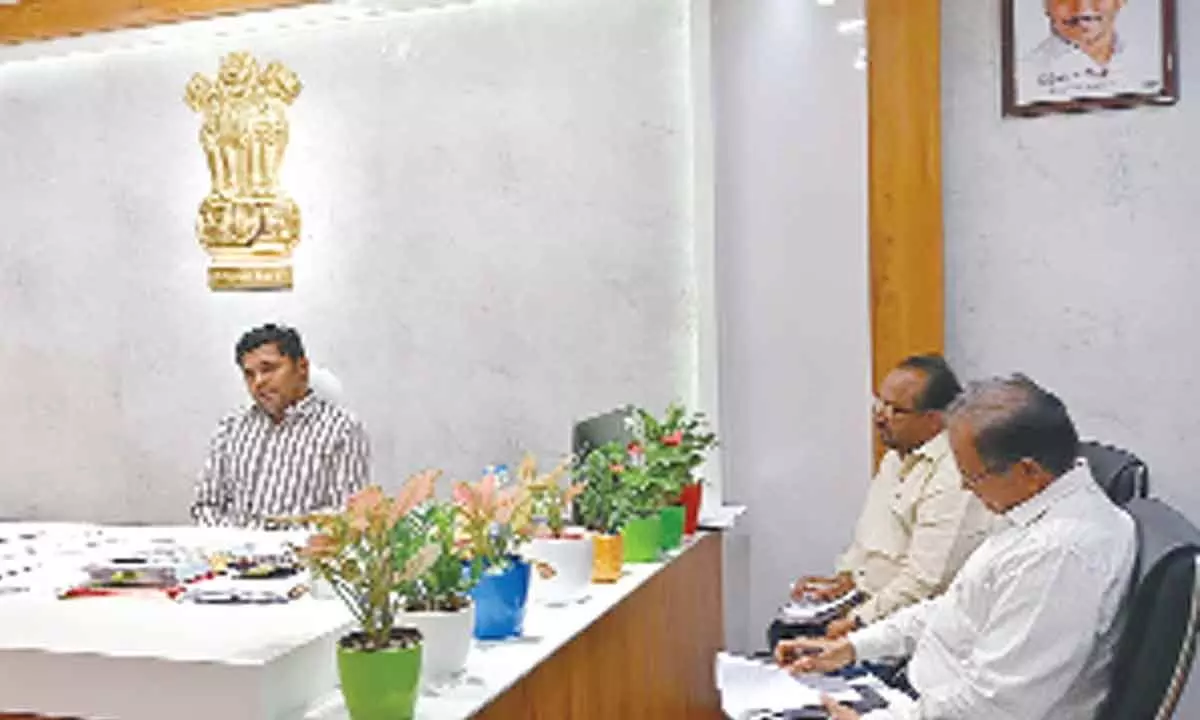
point(1028, 628)
point(919, 524)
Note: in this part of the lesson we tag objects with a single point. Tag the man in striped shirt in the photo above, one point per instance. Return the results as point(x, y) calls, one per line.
point(290, 452)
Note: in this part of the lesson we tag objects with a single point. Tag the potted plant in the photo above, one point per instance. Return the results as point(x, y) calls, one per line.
point(603, 507)
point(566, 551)
point(675, 446)
point(356, 553)
point(493, 522)
point(437, 602)
point(649, 494)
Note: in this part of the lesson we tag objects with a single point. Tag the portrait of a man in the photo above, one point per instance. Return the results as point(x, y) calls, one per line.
point(1077, 54)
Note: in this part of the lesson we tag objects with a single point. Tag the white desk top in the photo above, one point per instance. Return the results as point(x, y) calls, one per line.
point(125, 627)
point(248, 635)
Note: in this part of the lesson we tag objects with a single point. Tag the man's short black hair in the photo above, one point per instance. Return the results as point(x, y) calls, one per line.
point(941, 384)
point(281, 336)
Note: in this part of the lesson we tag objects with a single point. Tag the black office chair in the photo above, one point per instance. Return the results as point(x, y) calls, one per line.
point(1122, 474)
point(599, 430)
point(1156, 648)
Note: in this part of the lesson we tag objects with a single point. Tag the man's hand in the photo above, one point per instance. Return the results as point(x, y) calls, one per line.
point(842, 627)
point(807, 584)
point(806, 655)
point(823, 588)
point(837, 711)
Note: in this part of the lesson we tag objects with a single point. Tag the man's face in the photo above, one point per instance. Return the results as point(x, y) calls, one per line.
point(274, 380)
point(900, 425)
point(999, 492)
point(1086, 23)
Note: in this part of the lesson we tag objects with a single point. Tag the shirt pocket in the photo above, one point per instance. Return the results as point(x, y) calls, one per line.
point(887, 537)
point(902, 502)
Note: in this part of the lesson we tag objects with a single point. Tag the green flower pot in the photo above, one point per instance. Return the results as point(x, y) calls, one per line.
point(672, 526)
point(380, 685)
point(642, 539)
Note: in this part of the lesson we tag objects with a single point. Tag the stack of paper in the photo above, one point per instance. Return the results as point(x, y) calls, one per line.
point(750, 686)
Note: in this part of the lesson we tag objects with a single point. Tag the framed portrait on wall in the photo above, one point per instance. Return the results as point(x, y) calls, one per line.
point(1075, 55)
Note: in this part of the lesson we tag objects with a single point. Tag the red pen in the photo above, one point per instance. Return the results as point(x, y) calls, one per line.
point(81, 592)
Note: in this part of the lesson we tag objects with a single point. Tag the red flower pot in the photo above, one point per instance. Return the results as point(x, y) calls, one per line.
point(690, 499)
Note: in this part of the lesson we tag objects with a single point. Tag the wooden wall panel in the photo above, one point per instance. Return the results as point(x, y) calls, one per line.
point(45, 19)
point(905, 179)
point(649, 658)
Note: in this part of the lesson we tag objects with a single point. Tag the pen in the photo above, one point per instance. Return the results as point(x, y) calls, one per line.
point(81, 592)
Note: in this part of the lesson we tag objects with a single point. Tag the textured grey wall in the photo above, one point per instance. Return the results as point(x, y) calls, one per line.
point(1071, 254)
point(792, 288)
point(1070, 251)
point(497, 217)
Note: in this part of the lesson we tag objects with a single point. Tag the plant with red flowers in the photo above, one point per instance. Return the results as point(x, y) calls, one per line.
point(606, 503)
point(674, 446)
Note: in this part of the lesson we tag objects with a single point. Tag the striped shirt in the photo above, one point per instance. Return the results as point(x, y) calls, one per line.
point(256, 468)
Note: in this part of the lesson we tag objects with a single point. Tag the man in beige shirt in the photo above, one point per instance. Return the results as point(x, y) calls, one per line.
point(919, 524)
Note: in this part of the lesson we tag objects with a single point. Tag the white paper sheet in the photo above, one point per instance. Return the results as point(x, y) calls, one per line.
point(751, 685)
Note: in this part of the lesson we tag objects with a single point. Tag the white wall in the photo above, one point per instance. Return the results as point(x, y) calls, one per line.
point(792, 286)
point(497, 237)
point(1071, 253)
point(1070, 250)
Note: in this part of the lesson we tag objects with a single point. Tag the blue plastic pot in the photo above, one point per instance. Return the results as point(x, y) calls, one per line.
point(500, 598)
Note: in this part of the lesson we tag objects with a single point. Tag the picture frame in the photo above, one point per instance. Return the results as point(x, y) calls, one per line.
point(1063, 56)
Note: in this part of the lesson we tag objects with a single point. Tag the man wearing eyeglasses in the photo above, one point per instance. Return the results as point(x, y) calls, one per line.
point(919, 524)
point(1029, 628)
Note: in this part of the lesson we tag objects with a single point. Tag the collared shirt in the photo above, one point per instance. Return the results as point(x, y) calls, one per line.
point(916, 529)
point(1058, 70)
point(1028, 629)
point(314, 458)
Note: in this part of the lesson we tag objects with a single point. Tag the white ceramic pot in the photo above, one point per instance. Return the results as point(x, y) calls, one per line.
point(447, 641)
point(571, 560)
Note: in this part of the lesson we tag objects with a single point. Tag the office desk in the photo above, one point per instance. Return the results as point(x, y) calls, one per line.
point(642, 647)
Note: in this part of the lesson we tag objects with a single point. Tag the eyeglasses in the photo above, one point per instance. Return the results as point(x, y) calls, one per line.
point(970, 480)
point(885, 408)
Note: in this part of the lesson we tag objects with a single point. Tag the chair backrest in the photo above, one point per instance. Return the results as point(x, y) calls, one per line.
point(325, 383)
point(1122, 474)
point(1155, 652)
point(600, 430)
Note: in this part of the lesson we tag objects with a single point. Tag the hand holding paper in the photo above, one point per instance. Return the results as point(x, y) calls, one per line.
point(808, 655)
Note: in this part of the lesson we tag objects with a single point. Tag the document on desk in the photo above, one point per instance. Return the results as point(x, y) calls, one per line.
point(749, 686)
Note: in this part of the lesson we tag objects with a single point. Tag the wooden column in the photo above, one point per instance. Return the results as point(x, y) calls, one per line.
point(45, 19)
point(905, 179)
